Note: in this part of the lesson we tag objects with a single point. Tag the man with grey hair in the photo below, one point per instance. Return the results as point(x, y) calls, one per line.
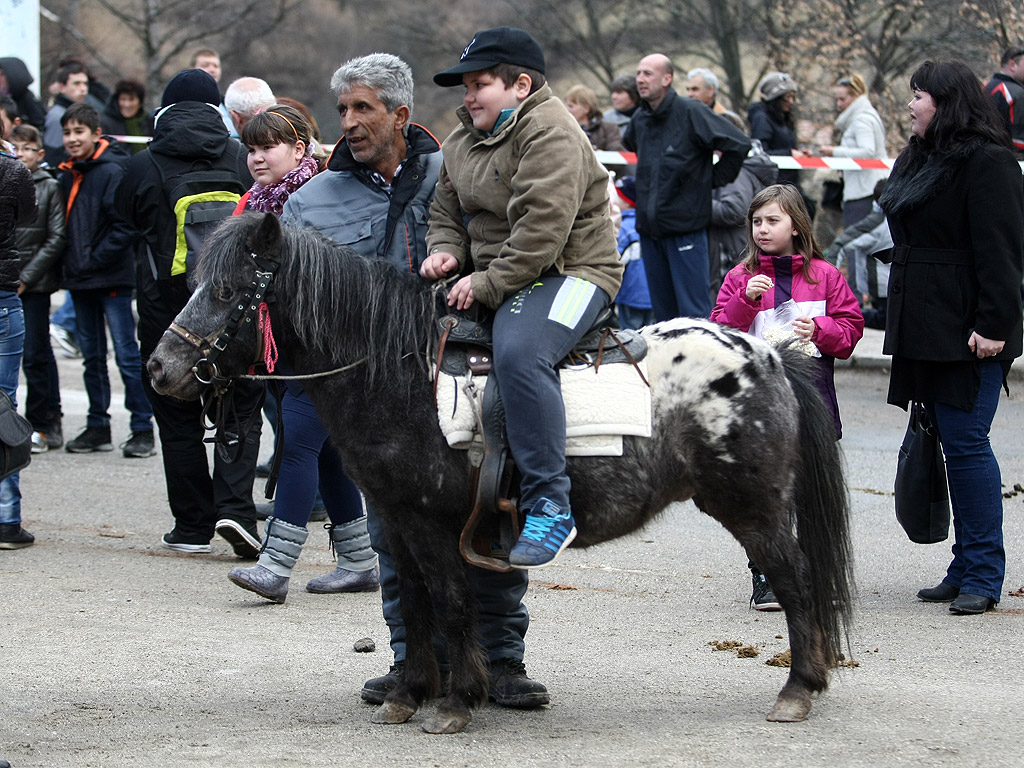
point(245, 97)
point(375, 197)
point(702, 85)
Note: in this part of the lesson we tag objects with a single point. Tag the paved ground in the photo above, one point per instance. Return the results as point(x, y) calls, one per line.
point(117, 653)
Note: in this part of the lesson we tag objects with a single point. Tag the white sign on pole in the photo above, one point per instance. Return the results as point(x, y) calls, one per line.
point(19, 34)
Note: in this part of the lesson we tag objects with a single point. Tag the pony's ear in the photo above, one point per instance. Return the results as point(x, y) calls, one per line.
point(266, 240)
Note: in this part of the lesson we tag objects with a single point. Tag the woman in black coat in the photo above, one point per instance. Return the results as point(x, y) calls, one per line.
point(955, 209)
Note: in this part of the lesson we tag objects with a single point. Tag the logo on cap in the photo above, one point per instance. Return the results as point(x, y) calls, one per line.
point(465, 53)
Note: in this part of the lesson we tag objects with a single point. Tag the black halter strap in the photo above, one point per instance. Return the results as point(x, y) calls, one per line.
point(219, 403)
point(241, 316)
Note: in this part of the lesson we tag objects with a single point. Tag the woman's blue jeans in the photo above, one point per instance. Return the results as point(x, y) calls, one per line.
point(12, 340)
point(975, 488)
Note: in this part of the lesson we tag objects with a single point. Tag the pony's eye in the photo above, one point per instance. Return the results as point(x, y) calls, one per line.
point(223, 294)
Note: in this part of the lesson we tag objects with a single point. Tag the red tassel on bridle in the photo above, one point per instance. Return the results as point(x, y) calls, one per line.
point(267, 334)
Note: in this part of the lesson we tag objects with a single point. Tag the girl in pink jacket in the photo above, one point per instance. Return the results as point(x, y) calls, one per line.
point(784, 264)
point(786, 281)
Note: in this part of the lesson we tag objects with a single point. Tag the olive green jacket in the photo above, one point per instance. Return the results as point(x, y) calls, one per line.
point(527, 200)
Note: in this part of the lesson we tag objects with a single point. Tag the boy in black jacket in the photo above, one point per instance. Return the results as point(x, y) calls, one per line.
point(40, 247)
point(99, 273)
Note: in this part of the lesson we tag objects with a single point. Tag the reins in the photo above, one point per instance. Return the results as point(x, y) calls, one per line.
point(299, 376)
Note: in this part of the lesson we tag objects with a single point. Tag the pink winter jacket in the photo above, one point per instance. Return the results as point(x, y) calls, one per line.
point(830, 302)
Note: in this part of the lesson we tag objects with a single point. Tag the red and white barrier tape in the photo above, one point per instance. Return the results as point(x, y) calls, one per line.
point(785, 162)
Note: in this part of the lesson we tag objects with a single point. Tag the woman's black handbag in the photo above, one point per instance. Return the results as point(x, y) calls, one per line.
point(15, 438)
point(922, 496)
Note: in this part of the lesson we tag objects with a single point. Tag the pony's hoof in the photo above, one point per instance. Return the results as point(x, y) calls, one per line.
point(446, 721)
point(392, 713)
point(790, 710)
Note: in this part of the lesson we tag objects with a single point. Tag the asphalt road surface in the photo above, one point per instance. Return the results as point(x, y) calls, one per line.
point(115, 652)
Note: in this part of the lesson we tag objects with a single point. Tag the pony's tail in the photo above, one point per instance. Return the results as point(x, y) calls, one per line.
point(822, 509)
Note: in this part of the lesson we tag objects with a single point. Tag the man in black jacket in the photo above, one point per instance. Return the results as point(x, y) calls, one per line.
point(189, 135)
point(97, 271)
point(1007, 93)
point(675, 140)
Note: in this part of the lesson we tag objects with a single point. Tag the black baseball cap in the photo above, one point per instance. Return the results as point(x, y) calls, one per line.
point(501, 45)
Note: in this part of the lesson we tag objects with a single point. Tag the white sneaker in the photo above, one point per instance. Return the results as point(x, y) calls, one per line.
point(64, 340)
point(39, 444)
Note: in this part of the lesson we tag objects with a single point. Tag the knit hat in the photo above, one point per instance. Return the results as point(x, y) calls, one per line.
point(626, 187)
point(775, 84)
point(191, 85)
point(501, 45)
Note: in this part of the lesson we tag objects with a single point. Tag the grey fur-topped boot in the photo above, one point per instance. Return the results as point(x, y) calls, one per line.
point(282, 545)
point(357, 569)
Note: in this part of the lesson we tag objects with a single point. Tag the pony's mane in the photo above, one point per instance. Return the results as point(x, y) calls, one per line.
point(340, 304)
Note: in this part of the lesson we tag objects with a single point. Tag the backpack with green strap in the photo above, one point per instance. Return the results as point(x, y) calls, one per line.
point(202, 196)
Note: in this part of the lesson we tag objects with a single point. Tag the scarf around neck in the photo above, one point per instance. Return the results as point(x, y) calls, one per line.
point(271, 198)
point(917, 178)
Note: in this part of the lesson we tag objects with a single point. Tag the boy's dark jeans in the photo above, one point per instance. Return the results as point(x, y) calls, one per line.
point(95, 310)
point(533, 330)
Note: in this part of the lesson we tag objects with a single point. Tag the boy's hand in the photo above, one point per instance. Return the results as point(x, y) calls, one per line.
point(757, 285)
point(437, 265)
point(461, 294)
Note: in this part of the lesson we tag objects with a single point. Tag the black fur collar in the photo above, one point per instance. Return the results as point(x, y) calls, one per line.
point(923, 176)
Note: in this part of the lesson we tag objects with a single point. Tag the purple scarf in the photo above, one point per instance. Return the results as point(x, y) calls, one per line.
point(271, 199)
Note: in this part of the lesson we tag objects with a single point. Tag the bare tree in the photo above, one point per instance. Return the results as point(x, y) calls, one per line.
point(589, 35)
point(715, 30)
point(885, 41)
point(163, 30)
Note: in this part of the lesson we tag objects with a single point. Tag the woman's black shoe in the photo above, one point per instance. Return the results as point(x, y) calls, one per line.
point(942, 593)
point(967, 604)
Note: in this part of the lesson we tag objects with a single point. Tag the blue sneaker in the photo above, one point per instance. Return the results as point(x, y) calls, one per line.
point(546, 533)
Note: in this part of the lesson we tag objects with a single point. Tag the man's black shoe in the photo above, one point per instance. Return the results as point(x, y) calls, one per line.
point(376, 688)
point(13, 536)
point(91, 440)
point(967, 604)
point(762, 598)
point(943, 592)
point(509, 685)
point(243, 540)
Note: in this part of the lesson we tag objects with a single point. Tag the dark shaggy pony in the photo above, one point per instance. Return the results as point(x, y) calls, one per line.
point(738, 427)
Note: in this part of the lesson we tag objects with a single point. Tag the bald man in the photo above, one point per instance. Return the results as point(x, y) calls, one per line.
point(675, 139)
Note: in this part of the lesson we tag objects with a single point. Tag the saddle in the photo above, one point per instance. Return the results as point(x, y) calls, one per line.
point(464, 347)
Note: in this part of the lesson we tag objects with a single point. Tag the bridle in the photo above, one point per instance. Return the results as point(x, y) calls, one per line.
point(252, 305)
point(242, 314)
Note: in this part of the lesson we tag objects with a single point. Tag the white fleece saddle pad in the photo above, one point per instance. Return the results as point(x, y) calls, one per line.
point(601, 405)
